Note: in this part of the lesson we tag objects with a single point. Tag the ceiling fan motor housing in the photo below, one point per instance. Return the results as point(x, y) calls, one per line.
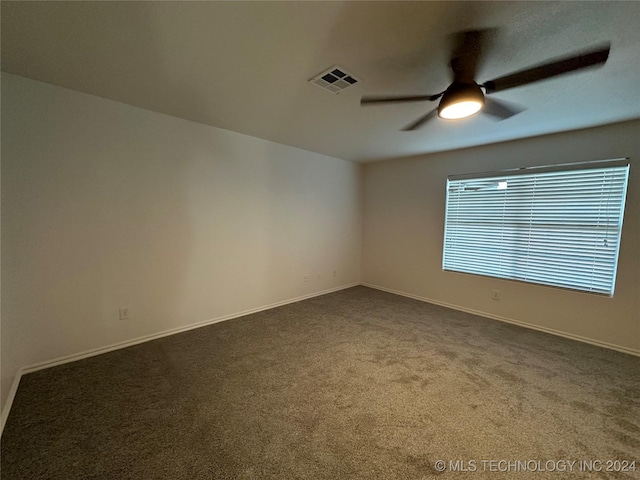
point(458, 93)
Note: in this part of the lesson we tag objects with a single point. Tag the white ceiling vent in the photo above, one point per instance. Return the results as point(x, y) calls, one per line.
point(334, 79)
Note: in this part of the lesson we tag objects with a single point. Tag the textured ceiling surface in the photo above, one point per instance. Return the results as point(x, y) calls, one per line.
point(246, 66)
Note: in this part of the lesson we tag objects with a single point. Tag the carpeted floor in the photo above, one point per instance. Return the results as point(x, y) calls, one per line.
point(358, 384)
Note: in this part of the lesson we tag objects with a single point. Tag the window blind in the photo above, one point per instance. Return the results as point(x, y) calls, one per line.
point(560, 228)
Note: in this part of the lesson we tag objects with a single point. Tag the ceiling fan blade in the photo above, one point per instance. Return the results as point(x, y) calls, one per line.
point(398, 99)
point(467, 51)
point(556, 67)
point(500, 109)
point(421, 121)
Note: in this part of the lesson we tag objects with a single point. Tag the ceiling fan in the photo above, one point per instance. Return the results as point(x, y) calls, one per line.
point(464, 97)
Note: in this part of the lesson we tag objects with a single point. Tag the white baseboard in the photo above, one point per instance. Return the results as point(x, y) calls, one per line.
point(146, 338)
point(10, 398)
point(531, 326)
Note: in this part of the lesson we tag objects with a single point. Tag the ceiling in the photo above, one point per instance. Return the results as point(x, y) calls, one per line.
point(246, 66)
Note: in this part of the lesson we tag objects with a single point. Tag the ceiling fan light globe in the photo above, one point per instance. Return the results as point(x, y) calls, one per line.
point(460, 100)
point(462, 109)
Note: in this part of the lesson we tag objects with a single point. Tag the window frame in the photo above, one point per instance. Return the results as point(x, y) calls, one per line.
point(534, 170)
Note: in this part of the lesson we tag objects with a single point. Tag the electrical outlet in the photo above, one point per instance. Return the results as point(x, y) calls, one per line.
point(334, 273)
point(305, 278)
point(123, 313)
point(495, 295)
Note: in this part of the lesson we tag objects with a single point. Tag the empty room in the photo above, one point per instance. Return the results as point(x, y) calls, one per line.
point(320, 240)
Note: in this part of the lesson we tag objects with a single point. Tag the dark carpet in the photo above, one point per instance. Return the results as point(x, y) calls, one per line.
point(358, 384)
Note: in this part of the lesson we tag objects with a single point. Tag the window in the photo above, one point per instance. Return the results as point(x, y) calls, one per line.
point(556, 225)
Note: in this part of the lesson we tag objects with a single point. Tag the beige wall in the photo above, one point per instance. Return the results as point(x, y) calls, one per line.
point(106, 205)
point(404, 203)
